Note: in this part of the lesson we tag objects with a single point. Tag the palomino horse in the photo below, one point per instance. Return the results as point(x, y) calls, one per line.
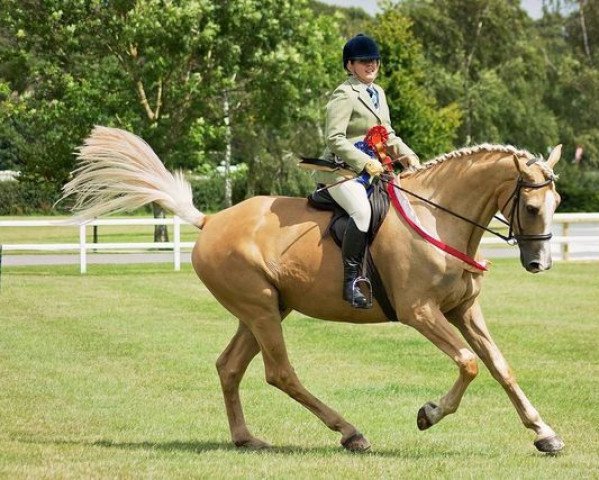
point(267, 256)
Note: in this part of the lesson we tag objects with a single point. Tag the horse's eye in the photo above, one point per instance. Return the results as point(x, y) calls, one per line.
point(532, 209)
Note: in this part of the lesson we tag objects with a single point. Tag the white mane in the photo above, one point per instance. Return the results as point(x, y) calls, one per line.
point(484, 147)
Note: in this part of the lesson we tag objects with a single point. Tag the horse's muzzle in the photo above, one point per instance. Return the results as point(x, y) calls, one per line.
point(536, 258)
point(536, 267)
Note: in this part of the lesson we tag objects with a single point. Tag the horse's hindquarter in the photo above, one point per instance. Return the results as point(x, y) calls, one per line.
point(278, 242)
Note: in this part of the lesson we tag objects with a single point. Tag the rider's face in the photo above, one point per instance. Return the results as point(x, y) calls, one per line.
point(364, 70)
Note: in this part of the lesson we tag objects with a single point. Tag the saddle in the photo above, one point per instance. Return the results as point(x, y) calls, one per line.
point(379, 202)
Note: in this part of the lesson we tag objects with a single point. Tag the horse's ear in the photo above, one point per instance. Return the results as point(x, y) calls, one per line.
point(554, 156)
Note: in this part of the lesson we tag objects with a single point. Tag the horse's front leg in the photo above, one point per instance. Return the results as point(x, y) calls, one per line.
point(472, 325)
point(431, 323)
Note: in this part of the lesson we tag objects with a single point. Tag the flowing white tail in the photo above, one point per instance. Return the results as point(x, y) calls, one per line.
point(118, 172)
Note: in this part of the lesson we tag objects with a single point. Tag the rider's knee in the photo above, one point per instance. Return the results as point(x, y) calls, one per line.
point(362, 218)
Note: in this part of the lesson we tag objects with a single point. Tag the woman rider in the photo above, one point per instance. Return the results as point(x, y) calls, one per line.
point(354, 107)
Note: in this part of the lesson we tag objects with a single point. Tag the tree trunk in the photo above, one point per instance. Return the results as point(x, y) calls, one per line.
point(228, 186)
point(160, 231)
point(583, 26)
point(250, 185)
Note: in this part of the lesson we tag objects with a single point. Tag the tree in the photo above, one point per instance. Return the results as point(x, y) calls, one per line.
point(160, 69)
point(486, 56)
point(282, 114)
point(422, 124)
point(574, 82)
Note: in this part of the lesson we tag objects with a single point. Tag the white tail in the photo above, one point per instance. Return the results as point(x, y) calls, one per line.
point(118, 172)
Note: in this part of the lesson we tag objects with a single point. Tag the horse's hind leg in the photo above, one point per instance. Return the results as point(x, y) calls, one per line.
point(231, 366)
point(472, 325)
point(258, 309)
point(280, 374)
point(431, 323)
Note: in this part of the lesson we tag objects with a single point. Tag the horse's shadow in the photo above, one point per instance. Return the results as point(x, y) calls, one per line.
point(211, 446)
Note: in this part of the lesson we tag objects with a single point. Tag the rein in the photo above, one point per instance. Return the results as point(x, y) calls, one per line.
point(511, 238)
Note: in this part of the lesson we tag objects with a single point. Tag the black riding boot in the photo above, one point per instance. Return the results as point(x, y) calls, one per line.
point(354, 245)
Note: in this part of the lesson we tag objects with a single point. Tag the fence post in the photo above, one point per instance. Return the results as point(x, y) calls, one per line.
point(177, 242)
point(95, 237)
point(82, 249)
point(566, 244)
point(0, 267)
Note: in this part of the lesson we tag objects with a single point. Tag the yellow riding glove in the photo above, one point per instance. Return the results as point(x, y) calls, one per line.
point(374, 168)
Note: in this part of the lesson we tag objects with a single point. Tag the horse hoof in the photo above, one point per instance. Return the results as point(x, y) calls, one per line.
point(553, 444)
point(252, 444)
point(423, 419)
point(356, 443)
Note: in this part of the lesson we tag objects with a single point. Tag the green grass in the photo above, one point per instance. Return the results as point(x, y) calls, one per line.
point(111, 375)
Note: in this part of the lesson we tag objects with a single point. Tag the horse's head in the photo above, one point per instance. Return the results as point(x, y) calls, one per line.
point(529, 208)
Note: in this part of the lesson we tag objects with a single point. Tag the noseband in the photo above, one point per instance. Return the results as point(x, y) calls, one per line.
point(515, 238)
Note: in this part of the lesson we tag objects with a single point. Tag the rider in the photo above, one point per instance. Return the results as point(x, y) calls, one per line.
point(354, 107)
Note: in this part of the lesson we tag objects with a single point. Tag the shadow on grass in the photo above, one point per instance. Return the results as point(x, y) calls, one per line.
point(208, 446)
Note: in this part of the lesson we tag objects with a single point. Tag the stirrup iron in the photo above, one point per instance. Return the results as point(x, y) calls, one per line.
point(362, 281)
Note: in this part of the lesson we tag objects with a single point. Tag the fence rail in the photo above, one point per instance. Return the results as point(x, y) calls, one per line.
point(562, 241)
point(84, 246)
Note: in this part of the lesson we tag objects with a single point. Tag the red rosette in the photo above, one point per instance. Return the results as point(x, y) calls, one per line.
point(376, 139)
point(377, 135)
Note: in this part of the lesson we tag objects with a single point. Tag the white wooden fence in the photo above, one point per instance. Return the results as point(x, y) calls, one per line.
point(563, 241)
point(84, 246)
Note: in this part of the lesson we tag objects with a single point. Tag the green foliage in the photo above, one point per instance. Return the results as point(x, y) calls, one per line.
point(9, 198)
point(209, 186)
point(455, 71)
point(352, 20)
point(280, 115)
point(575, 102)
point(161, 70)
point(574, 31)
point(422, 124)
point(487, 59)
point(29, 197)
point(209, 189)
point(578, 187)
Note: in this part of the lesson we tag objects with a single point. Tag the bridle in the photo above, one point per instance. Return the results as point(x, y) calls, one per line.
point(514, 216)
point(515, 238)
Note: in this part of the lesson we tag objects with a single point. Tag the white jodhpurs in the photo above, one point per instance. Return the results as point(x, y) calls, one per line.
point(352, 197)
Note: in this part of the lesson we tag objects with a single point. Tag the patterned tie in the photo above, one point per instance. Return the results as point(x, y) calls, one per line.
point(374, 96)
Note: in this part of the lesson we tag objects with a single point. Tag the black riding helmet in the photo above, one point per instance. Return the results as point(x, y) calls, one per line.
point(360, 47)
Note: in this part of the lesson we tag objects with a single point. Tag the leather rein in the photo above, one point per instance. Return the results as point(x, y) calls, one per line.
point(511, 238)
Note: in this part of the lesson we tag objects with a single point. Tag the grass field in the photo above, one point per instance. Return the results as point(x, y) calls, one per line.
point(111, 375)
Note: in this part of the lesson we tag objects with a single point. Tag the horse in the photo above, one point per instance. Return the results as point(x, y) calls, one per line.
point(268, 255)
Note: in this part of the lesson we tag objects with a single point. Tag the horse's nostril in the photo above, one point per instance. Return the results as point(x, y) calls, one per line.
point(534, 266)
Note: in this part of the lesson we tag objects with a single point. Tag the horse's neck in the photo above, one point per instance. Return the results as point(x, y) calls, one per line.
point(468, 186)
